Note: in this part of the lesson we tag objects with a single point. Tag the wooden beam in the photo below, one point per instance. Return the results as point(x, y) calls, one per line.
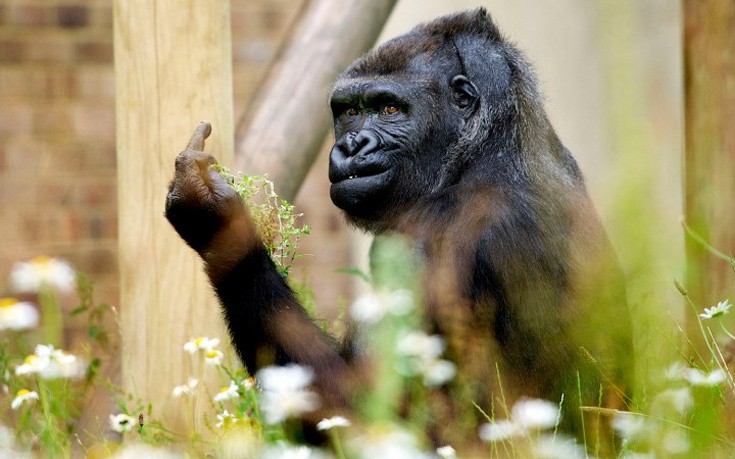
point(172, 69)
point(709, 169)
point(283, 135)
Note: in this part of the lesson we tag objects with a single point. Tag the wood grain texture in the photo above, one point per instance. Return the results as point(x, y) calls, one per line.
point(284, 129)
point(172, 69)
point(709, 170)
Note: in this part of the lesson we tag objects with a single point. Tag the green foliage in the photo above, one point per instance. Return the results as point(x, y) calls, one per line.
point(275, 218)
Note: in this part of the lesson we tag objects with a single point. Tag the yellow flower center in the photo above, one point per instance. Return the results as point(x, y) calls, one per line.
point(198, 341)
point(211, 354)
point(30, 359)
point(41, 260)
point(22, 392)
point(224, 389)
point(8, 302)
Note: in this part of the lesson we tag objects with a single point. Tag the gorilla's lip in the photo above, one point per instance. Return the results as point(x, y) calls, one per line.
point(352, 193)
point(344, 174)
point(364, 180)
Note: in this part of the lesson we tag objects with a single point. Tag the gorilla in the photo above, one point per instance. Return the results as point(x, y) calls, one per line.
point(441, 136)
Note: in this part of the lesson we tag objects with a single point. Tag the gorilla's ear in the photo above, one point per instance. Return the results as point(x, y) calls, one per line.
point(465, 93)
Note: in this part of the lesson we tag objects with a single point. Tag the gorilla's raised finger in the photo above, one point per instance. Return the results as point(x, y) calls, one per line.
point(202, 131)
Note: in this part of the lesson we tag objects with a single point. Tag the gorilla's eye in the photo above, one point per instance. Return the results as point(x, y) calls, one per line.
point(351, 112)
point(391, 109)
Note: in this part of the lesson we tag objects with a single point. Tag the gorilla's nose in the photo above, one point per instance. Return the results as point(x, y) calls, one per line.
point(364, 142)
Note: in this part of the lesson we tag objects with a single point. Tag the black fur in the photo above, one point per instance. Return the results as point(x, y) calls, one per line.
point(441, 135)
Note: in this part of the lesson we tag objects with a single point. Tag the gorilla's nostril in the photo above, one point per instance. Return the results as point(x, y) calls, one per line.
point(364, 142)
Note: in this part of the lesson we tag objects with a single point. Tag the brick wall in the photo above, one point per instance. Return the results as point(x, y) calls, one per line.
point(57, 132)
point(57, 142)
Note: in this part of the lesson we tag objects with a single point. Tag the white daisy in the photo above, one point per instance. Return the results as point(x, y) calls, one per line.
point(558, 447)
point(697, 377)
point(528, 414)
point(438, 373)
point(368, 309)
point(200, 344)
point(675, 371)
point(676, 442)
point(23, 396)
point(629, 425)
point(386, 441)
point(285, 393)
point(225, 419)
point(419, 344)
point(371, 308)
point(284, 451)
point(401, 302)
point(423, 352)
point(227, 393)
point(722, 308)
point(249, 383)
point(534, 413)
point(185, 389)
point(17, 315)
point(446, 452)
point(334, 421)
point(680, 399)
point(213, 357)
point(29, 277)
point(122, 422)
point(50, 363)
point(499, 430)
point(31, 364)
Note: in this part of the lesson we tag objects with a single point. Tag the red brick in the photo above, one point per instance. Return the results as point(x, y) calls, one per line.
point(12, 51)
point(102, 15)
point(16, 191)
point(60, 83)
point(93, 121)
point(15, 119)
point(57, 193)
point(96, 82)
point(101, 226)
point(23, 155)
point(61, 160)
point(99, 51)
point(30, 229)
point(36, 82)
point(102, 259)
point(97, 192)
point(25, 15)
point(49, 48)
point(52, 121)
point(72, 16)
point(99, 155)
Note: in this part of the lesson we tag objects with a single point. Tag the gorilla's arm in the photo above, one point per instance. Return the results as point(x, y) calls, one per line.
point(266, 323)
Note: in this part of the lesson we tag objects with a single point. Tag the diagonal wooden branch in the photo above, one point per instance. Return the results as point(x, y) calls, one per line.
point(285, 131)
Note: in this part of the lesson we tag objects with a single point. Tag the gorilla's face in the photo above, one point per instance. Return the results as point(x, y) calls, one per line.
point(392, 133)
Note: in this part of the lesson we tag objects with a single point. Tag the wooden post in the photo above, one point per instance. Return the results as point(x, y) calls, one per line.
point(709, 75)
point(284, 134)
point(172, 69)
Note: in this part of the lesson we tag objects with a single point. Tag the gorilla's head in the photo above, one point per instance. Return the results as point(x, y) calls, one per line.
point(412, 116)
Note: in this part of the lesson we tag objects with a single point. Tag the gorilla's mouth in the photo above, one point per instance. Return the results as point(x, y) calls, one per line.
point(375, 179)
point(349, 171)
point(361, 190)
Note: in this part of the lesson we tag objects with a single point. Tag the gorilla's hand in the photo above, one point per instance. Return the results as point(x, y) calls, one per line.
point(206, 212)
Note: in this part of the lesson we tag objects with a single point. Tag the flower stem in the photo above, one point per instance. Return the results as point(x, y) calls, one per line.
point(338, 450)
point(727, 332)
point(53, 322)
